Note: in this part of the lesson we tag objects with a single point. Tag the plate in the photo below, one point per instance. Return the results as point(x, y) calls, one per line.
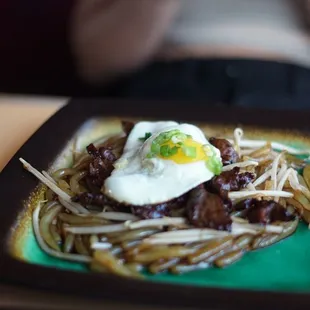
point(275, 276)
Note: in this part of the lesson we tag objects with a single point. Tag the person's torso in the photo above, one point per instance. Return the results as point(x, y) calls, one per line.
point(272, 27)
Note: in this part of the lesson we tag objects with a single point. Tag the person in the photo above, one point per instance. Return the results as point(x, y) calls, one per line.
point(253, 53)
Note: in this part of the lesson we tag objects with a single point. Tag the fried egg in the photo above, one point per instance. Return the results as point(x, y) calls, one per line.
point(162, 161)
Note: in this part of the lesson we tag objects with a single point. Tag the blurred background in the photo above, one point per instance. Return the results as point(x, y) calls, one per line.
point(243, 52)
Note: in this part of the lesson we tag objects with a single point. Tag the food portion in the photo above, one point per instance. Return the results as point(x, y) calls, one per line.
point(164, 197)
point(164, 160)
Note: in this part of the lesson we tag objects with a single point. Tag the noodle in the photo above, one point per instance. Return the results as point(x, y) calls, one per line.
point(111, 263)
point(114, 216)
point(274, 170)
point(157, 253)
point(45, 223)
point(281, 172)
point(210, 249)
point(56, 235)
point(159, 266)
point(264, 177)
point(122, 243)
point(101, 246)
point(75, 220)
point(263, 151)
point(275, 145)
point(240, 165)
point(64, 196)
point(48, 176)
point(72, 257)
point(62, 173)
point(96, 229)
point(133, 235)
point(238, 134)
point(229, 258)
point(262, 193)
point(80, 246)
point(75, 186)
point(69, 242)
point(156, 222)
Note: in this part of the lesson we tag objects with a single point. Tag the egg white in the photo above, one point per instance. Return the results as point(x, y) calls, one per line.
point(138, 180)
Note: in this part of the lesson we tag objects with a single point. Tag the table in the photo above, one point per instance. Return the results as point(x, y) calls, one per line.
point(20, 117)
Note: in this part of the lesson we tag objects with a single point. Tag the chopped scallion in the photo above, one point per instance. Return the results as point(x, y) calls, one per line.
point(215, 165)
point(167, 151)
point(146, 136)
point(189, 151)
point(155, 148)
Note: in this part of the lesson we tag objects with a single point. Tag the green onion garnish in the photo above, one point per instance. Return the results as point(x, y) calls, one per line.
point(159, 146)
point(155, 148)
point(189, 151)
point(167, 136)
point(215, 165)
point(167, 151)
point(146, 136)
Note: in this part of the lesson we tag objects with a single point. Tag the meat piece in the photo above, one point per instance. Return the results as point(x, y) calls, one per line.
point(92, 150)
point(243, 205)
point(100, 200)
point(228, 153)
point(205, 209)
point(228, 181)
point(91, 185)
point(107, 156)
point(151, 211)
point(90, 199)
point(227, 205)
point(145, 212)
point(159, 210)
point(127, 127)
point(101, 166)
point(263, 211)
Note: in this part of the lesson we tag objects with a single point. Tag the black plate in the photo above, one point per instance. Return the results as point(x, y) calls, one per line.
point(45, 144)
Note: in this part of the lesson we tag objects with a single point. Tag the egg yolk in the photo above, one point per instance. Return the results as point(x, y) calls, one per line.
point(190, 151)
point(182, 149)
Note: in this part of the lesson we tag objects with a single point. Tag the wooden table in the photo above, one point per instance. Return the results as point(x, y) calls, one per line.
point(20, 117)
